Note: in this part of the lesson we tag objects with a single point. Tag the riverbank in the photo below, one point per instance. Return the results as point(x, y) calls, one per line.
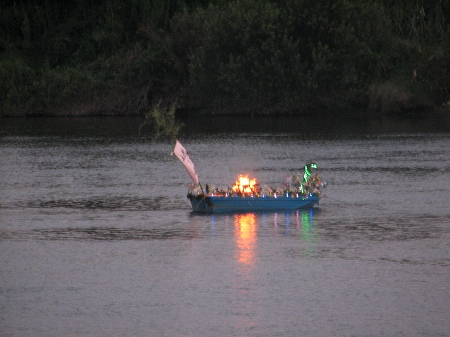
point(244, 57)
point(91, 110)
point(193, 124)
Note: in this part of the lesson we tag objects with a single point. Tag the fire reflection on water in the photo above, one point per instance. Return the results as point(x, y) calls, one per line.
point(245, 234)
point(300, 224)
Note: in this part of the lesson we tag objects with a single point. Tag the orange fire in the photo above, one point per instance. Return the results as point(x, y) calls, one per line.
point(245, 185)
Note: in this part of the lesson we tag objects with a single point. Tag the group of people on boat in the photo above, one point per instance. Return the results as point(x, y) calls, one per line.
point(294, 185)
point(310, 183)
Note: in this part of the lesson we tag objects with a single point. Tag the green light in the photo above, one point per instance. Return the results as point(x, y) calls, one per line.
point(307, 175)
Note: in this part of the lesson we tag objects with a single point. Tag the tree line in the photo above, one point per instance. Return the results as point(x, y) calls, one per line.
point(230, 56)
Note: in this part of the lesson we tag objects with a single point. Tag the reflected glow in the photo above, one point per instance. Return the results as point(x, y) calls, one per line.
point(306, 222)
point(245, 234)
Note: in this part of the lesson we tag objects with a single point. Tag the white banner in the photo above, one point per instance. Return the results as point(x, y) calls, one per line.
point(181, 153)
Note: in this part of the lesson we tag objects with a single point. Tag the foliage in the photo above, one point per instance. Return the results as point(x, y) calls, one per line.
point(163, 121)
point(267, 56)
point(292, 55)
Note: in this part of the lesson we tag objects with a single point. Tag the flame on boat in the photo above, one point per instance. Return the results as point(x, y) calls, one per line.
point(246, 186)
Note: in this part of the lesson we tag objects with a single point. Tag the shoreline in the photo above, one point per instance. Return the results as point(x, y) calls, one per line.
point(192, 113)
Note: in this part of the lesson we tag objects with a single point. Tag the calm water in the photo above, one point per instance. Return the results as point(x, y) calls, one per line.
point(97, 237)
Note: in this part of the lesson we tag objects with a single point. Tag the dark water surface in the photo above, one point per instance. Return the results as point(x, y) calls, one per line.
point(97, 237)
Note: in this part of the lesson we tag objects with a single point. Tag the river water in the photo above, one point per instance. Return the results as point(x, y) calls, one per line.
point(97, 237)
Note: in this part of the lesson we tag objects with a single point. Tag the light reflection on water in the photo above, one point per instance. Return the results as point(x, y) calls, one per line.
point(97, 236)
point(245, 234)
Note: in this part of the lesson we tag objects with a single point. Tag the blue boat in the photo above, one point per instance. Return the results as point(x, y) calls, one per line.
point(246, 195)
point(222, 204)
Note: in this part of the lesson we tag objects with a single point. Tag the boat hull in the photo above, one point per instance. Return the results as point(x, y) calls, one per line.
point(223, 204)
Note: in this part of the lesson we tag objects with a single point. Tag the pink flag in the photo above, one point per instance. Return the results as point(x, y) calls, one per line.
point(181, 153)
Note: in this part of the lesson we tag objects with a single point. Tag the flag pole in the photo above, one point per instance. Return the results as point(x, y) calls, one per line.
point(201, 188)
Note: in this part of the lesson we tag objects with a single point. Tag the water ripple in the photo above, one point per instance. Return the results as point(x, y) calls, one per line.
point(98, 234)
point(103, 203)
point(387, 228)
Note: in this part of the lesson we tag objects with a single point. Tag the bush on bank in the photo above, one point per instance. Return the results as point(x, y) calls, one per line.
point(242, 56)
